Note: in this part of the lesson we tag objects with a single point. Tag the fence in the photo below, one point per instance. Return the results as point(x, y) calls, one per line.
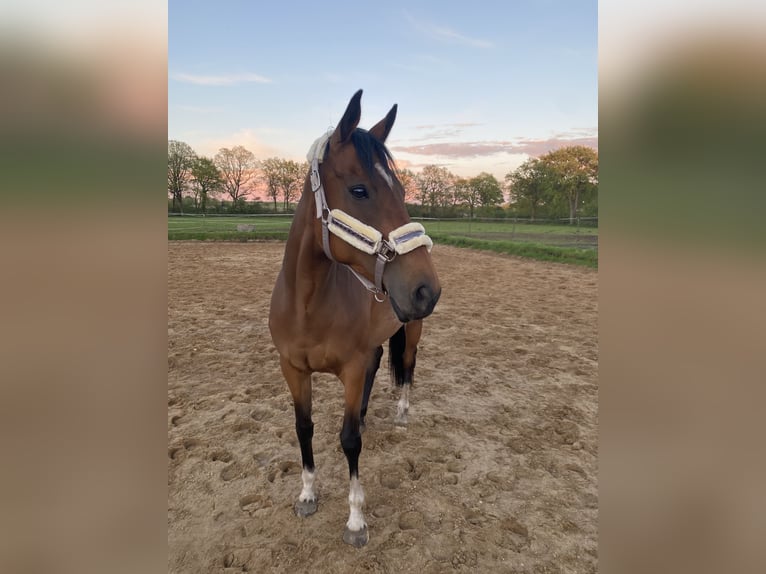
point(582, 233)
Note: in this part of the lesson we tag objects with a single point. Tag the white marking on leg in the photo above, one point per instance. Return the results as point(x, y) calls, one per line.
point(355, 501)
point(384, 175)
point(308, 486)
point(404, 403)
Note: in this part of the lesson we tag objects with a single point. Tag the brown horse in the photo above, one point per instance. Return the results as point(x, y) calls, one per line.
point(355, 272)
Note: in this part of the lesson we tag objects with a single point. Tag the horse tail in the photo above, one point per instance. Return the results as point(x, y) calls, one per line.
point(396, 345)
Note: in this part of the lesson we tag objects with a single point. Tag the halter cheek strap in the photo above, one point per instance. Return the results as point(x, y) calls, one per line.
point(401, 240)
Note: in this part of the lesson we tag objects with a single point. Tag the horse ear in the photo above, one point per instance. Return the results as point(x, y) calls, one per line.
point(383, 127)
point(349, 121)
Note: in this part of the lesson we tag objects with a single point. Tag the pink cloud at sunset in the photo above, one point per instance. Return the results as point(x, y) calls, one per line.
point(530, 147)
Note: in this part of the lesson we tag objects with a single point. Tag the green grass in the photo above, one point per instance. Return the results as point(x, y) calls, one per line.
point(541, 252)
point(213, 223)
point(216, 228)
point(452, 227)
point(507, 227)
point(226, 235)
point(535, 241)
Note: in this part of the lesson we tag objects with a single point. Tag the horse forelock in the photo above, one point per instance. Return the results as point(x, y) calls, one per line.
point(371, 153)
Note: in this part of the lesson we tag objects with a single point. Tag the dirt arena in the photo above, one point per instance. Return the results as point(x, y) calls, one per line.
point(496, 472)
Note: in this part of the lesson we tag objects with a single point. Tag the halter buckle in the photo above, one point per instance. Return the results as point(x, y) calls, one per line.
point(314, 174)
point(386, 251)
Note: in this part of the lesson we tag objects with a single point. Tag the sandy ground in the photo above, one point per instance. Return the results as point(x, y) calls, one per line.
point(497, 471)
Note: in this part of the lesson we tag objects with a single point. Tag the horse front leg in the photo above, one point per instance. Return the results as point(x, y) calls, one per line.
point(405, 373)
point(403, 406)
point(355, 532)
point(369, 379)
point(299, 383)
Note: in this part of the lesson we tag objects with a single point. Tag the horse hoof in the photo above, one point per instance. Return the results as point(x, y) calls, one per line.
point(304, 508)
point(400, 421)
point(356, 538)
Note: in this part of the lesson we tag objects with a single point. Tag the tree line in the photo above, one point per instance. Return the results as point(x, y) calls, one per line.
point(561, 183)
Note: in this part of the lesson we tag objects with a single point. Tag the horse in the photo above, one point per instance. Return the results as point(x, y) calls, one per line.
point(356, 272)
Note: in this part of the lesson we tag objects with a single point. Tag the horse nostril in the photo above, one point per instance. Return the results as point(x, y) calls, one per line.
point(422, 301)
point(423, 295)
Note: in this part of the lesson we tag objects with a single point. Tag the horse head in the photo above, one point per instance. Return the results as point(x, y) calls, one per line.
point(362, 205)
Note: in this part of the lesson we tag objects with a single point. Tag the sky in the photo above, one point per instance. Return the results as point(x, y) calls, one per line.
point(481, 86)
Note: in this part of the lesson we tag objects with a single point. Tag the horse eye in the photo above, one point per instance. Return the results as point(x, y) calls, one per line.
point(359, 192)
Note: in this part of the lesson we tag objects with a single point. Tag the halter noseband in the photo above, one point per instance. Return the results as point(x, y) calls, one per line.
point(401, 240)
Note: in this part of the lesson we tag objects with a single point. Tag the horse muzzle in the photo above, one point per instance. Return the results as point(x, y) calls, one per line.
point(418, 305)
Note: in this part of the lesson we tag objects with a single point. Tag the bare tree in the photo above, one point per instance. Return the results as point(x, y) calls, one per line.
point(434, 186)
point(283, 177)
point(237, 166)
point(409, 182)
point(271, 169)
point(292, 179)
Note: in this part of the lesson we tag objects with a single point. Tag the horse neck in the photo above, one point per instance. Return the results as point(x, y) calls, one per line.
point(304, 257)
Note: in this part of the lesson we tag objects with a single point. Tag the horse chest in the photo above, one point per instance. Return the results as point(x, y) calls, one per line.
point(328, 348)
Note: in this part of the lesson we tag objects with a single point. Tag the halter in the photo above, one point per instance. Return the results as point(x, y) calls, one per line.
point(401, 240)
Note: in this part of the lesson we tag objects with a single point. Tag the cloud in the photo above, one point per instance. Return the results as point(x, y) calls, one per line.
point(221, 80)
point(442, 131)
point(445, 33)
point(579, 133)
point(535, 148)
point(530, 147)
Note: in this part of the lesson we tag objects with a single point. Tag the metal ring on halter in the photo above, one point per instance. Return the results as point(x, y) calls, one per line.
point(375, 294)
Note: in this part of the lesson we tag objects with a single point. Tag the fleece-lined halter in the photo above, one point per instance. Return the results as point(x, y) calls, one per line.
point(401, 240)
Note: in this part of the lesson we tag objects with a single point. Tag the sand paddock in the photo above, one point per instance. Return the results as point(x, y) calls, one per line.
point(497, 471)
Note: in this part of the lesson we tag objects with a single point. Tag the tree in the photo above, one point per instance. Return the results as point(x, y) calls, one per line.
point(452, 197)
point(466, 194)
point(271, 169)
point(237, 166)
point(409, 182)
point(283, 177)
point(205, 179)
point(180, 159)
point(487, 189)
point(434, 187)
point(575, 174)
point(293, 174)
point(530, 185)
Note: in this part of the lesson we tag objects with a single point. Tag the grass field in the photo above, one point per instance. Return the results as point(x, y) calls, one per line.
point(505, 227)
point(196, 225)
point(545, 241)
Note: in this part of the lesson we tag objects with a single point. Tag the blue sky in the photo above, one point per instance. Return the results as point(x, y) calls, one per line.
point(481, 86)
